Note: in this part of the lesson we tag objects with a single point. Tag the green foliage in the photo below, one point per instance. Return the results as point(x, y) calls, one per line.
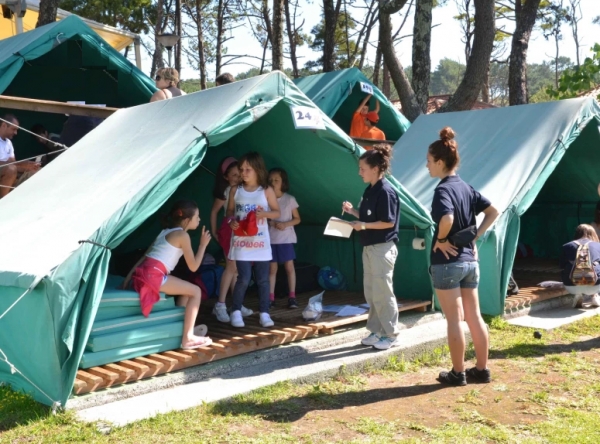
point(578, 79)
point(446, 77)
point(344, 45)
point(124, 14)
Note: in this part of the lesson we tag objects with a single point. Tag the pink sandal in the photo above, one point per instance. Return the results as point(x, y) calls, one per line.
point(202, 342)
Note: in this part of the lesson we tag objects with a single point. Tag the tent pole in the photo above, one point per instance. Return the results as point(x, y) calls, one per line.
point(49, 106)
point(19, 24)
point(138, 53)
point(19, 13)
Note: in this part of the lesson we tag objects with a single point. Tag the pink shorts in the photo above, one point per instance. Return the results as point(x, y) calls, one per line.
point(225, 233)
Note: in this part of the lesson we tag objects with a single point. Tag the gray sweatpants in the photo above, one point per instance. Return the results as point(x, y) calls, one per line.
point(378, 265)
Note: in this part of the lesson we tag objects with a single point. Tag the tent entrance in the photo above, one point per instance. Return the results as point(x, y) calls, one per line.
point(320, 182)
point(568, 198)
point(319, 186)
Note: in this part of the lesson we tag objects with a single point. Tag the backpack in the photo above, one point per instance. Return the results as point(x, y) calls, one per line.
point(583, 272)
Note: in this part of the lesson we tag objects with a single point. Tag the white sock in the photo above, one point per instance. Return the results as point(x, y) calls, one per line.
point(221, 304)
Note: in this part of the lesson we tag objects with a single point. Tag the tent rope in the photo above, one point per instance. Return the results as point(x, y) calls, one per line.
point(16, 302)
point(55, 404)
point(13, 368)
point(204, 134)
point(93, 243)
point(64, 147)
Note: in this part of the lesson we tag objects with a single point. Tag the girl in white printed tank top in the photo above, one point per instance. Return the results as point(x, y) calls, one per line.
point(151, 274)
point(229, 177)
point(253, 195)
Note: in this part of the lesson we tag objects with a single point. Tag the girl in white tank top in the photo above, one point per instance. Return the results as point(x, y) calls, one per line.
point(252, 195)
point(151, 275)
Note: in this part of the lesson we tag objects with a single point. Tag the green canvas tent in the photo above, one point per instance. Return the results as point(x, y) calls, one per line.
point(108, 187)
point(339, 93)
point(66, 61)
point(538, 164)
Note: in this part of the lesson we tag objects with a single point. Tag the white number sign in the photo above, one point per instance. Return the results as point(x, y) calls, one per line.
point(366, 88)
point(306, 117)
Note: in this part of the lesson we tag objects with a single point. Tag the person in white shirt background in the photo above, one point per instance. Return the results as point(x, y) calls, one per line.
point(9, 173)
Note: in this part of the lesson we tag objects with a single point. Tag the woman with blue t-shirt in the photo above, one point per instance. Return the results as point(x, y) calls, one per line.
point(454, 266)
point(378, 216)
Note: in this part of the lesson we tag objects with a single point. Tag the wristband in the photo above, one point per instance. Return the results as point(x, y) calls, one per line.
point(442, 241)
point(363, 226)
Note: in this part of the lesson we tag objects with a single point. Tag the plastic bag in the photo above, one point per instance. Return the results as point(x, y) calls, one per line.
point(314, 309)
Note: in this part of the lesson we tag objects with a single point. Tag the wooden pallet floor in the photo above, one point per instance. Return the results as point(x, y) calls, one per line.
point(229, 341)
point(529, 273)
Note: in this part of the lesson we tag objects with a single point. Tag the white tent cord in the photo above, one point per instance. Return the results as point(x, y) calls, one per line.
point(33, 157)
point(16, 302)
point(13, 370)
point(64, 147)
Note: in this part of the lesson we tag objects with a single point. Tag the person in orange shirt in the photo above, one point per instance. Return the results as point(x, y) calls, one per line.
point(371, 131)
point(357, 127)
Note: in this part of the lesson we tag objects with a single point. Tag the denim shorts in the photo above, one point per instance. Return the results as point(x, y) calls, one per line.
point(454, 275)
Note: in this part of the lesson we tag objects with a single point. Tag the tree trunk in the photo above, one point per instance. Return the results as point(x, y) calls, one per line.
point(410, 106)
point(421, 52)
point(277, 43)
point(291, 32)
point(477, 66)
point(485, 90)
point(47, 12)
point(369, 23)
point(557, 52)
point(201, 55)
point(219, 43)
point(391, 6)
point(178, 32)
point(158, 61)
point(269, 30)
point(377, 67)
point(386, 87)
point(331, 13)
point(517, 69)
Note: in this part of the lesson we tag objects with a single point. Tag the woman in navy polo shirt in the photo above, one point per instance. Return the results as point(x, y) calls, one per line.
point(455, 270)
point(378, 214)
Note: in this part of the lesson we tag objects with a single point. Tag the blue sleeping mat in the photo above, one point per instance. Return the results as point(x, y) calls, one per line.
point(117, 297)
point(91, 359)
point(137, 321)
point(133, 337)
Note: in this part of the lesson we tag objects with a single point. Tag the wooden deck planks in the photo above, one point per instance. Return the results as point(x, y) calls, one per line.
point(230, 341)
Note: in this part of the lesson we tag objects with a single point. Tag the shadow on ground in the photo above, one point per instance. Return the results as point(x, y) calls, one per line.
point(17, 409)
point(295, 408)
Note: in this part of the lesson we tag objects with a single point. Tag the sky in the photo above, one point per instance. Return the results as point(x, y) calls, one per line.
point(446, 40)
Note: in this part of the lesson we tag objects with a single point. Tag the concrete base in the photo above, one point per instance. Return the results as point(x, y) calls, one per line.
point(538, 307)
point(551, 319)
point(309, 361)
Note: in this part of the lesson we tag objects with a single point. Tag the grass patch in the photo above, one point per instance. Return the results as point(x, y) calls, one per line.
point(544, 390)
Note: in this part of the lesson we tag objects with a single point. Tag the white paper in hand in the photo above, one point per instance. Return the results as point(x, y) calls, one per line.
point(338, 227)
point(366, 88)
point(306, 117)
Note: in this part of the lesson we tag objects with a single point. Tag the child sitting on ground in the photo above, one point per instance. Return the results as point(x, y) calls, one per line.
point(151, 274)
point(251, 203)
point(228, 177)
point(282, 234)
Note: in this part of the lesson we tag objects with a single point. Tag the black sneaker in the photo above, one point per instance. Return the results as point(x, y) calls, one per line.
point(292, 303)
point(453, 378)
point(272, 305)
point(479, 375)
